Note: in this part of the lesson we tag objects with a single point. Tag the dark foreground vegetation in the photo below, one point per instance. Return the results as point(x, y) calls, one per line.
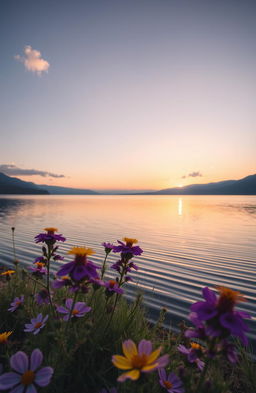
point(75, 332)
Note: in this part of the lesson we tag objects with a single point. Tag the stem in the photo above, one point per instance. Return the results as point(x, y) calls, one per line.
point(103, 267)
point(13, 247)
point(201, 380)
point(70, 312)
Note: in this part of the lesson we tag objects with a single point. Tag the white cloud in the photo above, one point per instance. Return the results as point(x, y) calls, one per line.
point(33, 61)
point(12, 170)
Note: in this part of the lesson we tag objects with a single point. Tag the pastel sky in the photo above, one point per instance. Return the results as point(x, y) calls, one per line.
point(128, 94)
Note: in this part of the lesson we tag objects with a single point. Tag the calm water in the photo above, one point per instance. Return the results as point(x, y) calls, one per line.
point(188, 241)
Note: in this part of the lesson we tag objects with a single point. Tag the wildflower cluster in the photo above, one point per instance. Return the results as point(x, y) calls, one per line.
point(79, 319)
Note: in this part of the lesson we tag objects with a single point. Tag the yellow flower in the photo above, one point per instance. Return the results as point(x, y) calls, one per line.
point(138, 360)
point(4, 337)
point(7, 273)
point(129, 241)
point(81, 251)
point(51, 229)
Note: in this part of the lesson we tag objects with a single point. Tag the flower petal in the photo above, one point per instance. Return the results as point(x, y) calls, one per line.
point(154, 355)
point(121, 362)
point(19, 362)
point(129, 349)
point(18, 389)
point(8, 380)
point(36, 359)
point(133, 375)
point(163, 361)
point(31, 389)
point(145, 346)
point(43, 376)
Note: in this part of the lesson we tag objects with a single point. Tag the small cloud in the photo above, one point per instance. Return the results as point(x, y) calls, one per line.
point(33, 61)
point(13, 170)
point(192, 174)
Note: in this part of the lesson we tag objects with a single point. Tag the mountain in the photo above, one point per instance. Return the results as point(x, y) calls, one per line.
point(56, 190)
point(245, 186)
point(12, 185)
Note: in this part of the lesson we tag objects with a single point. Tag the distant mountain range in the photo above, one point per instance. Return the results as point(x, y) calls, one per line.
point(12, 185)
point(245, 186)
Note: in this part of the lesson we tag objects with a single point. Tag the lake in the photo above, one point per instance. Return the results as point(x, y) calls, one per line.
point(188, 241)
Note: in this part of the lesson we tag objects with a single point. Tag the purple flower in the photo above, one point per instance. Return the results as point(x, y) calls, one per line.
point(50, 237)
point(127, 249)
point(108, 247)
point(192, 354)
point(42, 297)
point(40, 259)
point(58, 258)
point(219, 315)
point(171, 383)
point(27, 375)
point(17, 302)
point(39, 269)
point(62, 282)
point(80, 268)
point(79, 310)
point(229, 351)
point(36, 324)
point(112, 286)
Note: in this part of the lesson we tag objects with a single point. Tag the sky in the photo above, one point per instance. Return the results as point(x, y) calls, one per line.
point(135, 94)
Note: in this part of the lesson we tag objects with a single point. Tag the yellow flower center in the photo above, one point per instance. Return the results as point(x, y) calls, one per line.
point(4, 337)
point(65, 278)
point(139, 361)
point(39, 265)
point(18, 302)
point(196, 346)
point(167, 384)
point(8, 272)
point(51, 230)
point(81, 251)
point(129, 241)
point(28, 377)
point(38, 325)
point(74, 312)
point(228, 298)
point(112, 283)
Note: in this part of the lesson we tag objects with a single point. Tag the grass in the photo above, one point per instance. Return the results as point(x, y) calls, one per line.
point(80, 350)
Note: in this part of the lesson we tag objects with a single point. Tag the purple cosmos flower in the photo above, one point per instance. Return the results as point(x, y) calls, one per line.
point(219, 315)
point(108, 247)
point(124, 266)
point(79, 310)
point(39, 269)
point(62, 282)
point(112, 286)
point(36, 324)
point(17, 302)
point(127, 249)
point(171, 383)
point(80, 268)
point(192, 354)
point(50, 237)
point(42, 297)
point(26, 375)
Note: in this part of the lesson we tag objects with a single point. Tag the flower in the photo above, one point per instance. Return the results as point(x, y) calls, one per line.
point(171, 383)
point(219, 315)
point(138, 360)
point(127, 249)
point(79, 309)
point(112, 286)
point(39, 270)
point(16, 303)
point(42, 297)
point(62, 282)
point(80, 268)
point(7, 274)
point(26, 375)
point(192, 354)
point(4, 337)
point(108, 247)
point(50, 237)
point(36, 324)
